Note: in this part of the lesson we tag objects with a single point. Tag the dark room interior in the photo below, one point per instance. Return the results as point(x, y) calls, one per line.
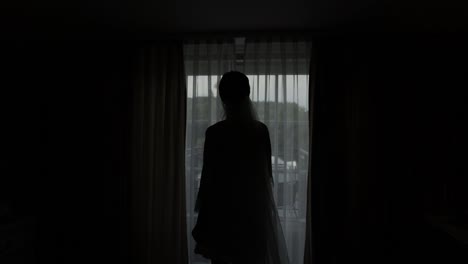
point(388, 126)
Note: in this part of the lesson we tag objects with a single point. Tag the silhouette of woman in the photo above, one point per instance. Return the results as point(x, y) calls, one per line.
point(237, 217)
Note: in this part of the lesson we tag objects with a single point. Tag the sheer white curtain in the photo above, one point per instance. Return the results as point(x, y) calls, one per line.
point(278, 70)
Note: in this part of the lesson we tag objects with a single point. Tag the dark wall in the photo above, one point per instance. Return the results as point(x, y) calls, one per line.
point(389, 141)
point(390, 146)
point(66, 114)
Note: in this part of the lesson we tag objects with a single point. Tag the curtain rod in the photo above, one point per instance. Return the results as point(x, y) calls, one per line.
point(247, 34)
point(191, 36)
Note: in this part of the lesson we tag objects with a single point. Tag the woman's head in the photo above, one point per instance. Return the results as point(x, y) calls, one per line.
point(234, 90)
point(234, 87)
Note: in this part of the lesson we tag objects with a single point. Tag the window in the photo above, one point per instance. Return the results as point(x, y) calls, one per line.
point(279, 80)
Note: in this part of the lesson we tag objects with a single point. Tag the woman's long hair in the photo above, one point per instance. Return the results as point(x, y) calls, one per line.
point(234, 90)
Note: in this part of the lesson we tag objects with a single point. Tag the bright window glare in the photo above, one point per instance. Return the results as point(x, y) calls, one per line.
point(262, 86)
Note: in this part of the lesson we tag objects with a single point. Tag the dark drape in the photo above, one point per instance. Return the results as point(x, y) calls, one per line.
point(388, 145)
point(158, 151)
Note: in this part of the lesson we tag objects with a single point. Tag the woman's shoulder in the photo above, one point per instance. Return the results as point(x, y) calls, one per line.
point(216, 126)
point(216, 129)
point(261, 125)
point(224, 124)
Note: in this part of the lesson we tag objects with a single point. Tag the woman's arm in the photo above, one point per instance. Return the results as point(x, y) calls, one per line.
point(268, 154)
point(206, 171)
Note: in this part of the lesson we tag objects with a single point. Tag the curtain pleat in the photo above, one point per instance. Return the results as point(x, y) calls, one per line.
point(309, 252)
point(158, 182)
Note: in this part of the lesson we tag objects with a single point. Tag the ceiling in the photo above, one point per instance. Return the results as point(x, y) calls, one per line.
point(195, 16)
